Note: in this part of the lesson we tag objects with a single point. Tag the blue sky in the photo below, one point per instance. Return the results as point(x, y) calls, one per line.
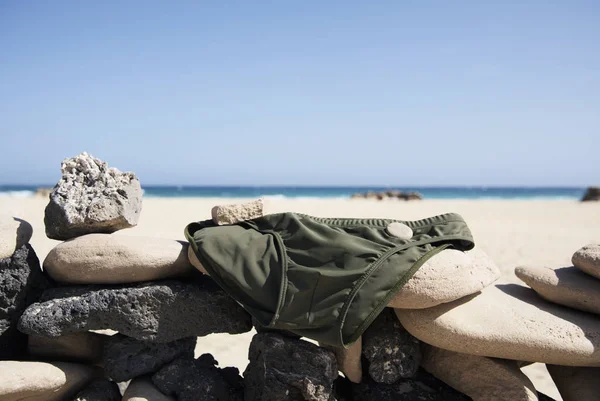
point(303, 92)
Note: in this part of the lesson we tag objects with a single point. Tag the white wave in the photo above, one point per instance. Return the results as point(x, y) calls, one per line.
point(16, 194)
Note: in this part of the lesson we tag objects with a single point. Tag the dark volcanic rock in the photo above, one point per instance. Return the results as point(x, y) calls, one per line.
point(160, 311)
point(99, 390)
point(284, 368)
point(592, 194)
point(186, 379)
point(391, 351)
point(21, 283)
point(92, 198)
point(126, 357)
point(424, 387)
point(388, 195)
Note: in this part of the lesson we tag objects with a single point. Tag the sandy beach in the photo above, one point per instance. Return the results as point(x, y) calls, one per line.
point(513, 233)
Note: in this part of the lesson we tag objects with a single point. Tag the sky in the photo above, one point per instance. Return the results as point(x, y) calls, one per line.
point(306, 92)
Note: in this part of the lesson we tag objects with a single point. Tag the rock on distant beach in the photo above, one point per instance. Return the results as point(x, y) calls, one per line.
point(92, 198)
point(481, 378)
point(142, 389)
point(446, 277)
point(115, 259)
point(99, 390)
point(511, 322)
point(234, 213)
point(126, 357)
point(391, 351)
point(592, 194)
point(21, 283)
point(192, 379)
point(567, 286)
point(160, 311)
point(587, 259)
point(14, 233)
point(283, 368)
point(388, 195)
point(42, 381)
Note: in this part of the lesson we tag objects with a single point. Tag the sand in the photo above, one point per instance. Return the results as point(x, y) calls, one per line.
point(512, 232)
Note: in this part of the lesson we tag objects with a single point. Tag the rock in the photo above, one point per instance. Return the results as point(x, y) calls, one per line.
point(446, 277)
point(481, 378)
point(391, 351)
point(126, 358)
point(510, 322)
point(186, 378)
point(21, 283)
point(424, 387)
point(142, 389)
point(349, 360)
point(43, 192)
point(567, 286)
point(99, 390)
point(85, 347)
point(576, 383)
point(194, 261)
point(591, 194)
point(160, 311)
point(283, 368)
point(587, 259)
point(115, 259)
point(92, 198)
point(41, 381)
point(393, 194)
point(234, 213)
point(14, 233)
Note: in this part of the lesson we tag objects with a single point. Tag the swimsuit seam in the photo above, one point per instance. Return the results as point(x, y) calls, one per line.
point(376, 264)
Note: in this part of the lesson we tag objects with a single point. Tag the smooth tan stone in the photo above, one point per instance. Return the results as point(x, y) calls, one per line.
point(194, 261)
point(233, 213)
point(83, 347)
point(142, 389)
point(41, 381)
point(576, 383)
point(481, 378)
point(511, 322)
point(14, 233)
point(112, 259)
point(349, 360)
point(567, 286)
point(587, 259)
point(400, 230)
point(447, 276)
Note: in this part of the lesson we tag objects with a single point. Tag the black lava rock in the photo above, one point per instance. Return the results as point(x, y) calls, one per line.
point(592, 194)
point(99, 390)
point(160, 311)
point(392, 353)
point(424, 387)
point(186, 379)
point(21, 283)
point(284, 368)
point(125, 357)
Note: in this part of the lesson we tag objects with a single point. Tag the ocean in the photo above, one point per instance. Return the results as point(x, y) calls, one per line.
point(572, 193)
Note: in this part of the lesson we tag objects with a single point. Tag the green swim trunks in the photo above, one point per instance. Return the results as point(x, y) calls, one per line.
point(322, 278)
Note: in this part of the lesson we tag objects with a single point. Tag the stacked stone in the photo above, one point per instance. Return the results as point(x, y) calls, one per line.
point(144, 289)
point(577, 290)
point(449, 334)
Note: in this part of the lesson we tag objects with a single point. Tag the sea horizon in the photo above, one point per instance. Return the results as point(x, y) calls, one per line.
point(334, 192)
